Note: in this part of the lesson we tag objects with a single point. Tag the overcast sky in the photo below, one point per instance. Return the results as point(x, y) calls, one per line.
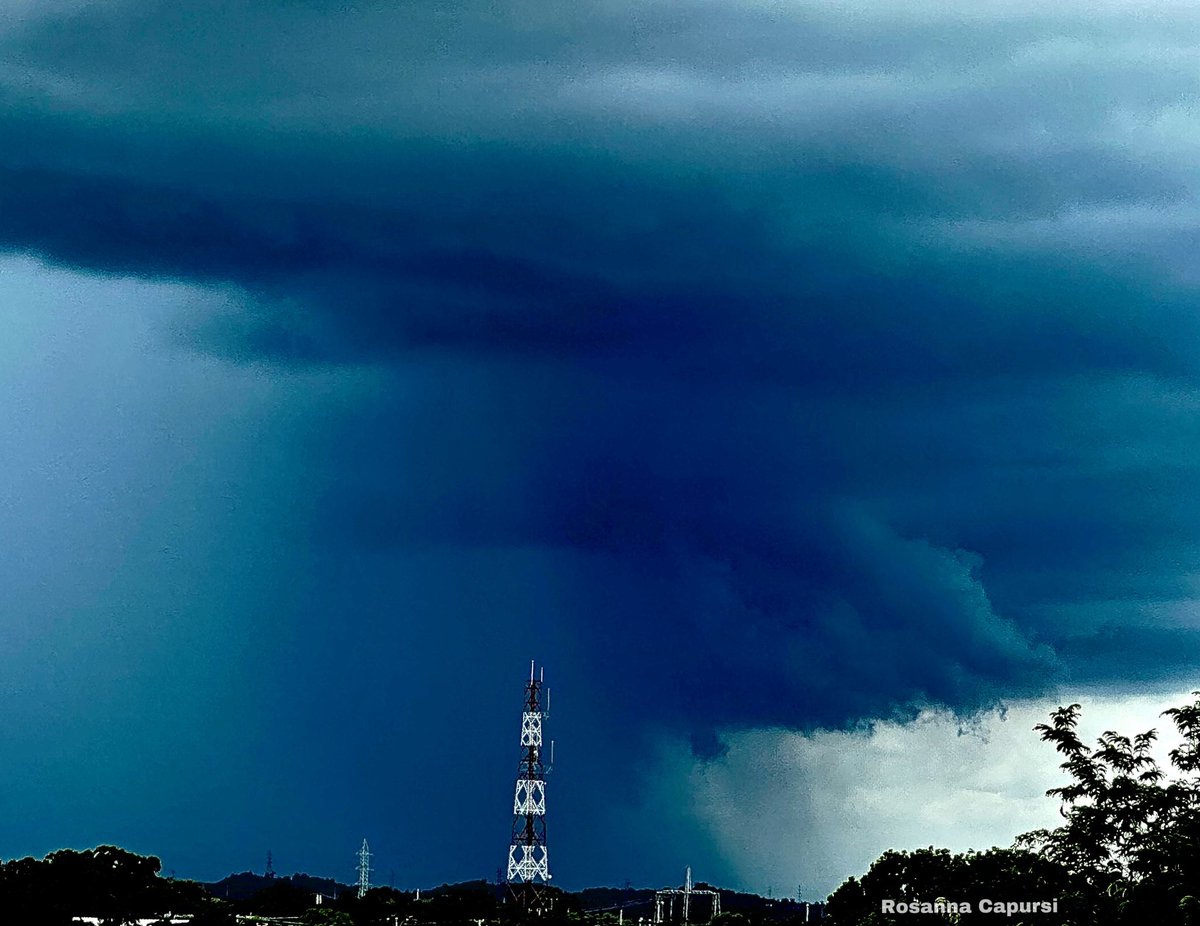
point(799, 381)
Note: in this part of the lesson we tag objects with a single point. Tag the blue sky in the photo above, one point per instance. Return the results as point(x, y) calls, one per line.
point(767, 370)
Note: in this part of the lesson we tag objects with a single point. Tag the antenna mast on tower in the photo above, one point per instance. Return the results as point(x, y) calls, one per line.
point(528, 862)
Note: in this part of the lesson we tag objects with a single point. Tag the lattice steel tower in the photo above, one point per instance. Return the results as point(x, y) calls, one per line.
point(528, 862)
point(364, 870)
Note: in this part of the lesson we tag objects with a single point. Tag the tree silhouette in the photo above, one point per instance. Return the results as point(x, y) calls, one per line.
point(1132, 829)
point(1128, 851)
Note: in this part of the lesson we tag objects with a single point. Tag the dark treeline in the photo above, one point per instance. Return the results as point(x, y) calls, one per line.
point(119, 887)
point(105, 881)
point(1127, 854)
point(246, 884)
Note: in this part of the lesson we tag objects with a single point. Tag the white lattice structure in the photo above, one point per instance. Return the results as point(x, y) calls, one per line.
point(528, 864)
point(528, 858)
point(531, 729)
point(667, 911)
point(364, 870)
point(530, 798)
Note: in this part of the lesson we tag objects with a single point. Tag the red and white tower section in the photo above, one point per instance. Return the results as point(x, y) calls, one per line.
point(528, 861)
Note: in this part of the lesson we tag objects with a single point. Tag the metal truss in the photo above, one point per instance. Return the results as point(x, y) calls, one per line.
point(528, 858)
point(664, 902)
point(364, 870)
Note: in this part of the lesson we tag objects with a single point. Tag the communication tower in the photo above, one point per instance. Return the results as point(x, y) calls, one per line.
point(528, 861)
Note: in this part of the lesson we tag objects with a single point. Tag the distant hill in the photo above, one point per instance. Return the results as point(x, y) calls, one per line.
point(633, 901)
point(245, 885)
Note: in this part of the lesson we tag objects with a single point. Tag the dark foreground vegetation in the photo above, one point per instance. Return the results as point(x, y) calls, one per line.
point(120, 887)
point(1127, 854)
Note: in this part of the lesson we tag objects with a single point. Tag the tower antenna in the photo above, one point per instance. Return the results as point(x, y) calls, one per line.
point(528, 862)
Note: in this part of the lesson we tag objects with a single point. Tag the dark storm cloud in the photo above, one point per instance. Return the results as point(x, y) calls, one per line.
point(808, 333)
